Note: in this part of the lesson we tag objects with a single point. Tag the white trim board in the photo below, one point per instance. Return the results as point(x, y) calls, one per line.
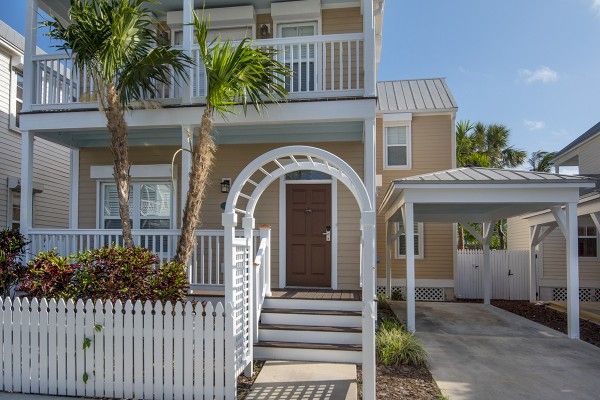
point(283, 226)
point(136, 171)
point(436, 283)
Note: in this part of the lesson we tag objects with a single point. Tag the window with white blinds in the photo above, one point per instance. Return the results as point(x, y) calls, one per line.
point(150, 206)
point(401, 241)
point(300, 58)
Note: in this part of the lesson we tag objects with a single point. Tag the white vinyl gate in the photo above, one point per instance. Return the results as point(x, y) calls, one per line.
point(510, 274)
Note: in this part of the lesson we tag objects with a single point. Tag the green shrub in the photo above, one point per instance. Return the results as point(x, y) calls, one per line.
point(397, 295)
point(395, 346)
point(106, 273)
point(48, 275)
point(12, 249)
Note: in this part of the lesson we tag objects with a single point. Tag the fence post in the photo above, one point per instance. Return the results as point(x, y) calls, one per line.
point(229, 221)
point(265, 233)
point(248, 225)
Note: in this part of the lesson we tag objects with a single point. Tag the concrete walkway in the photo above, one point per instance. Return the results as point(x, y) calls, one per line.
point(304, 380)
point(482, 352)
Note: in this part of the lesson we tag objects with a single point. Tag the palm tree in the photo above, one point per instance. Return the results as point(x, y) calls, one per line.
point(115, 42)
point(237, 75)
point(541, 161)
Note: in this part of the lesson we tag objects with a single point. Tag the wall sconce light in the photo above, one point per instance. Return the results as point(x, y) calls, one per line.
point(225, 185)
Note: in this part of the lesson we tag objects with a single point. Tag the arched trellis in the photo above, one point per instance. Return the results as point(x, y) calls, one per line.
point(242, 199)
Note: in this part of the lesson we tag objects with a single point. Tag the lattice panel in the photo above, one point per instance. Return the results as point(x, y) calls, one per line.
point(597, 294)
point(421, 293)
point(585, 294)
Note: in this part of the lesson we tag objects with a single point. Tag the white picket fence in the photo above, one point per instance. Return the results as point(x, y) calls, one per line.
point(510, 274)
point(136, 350)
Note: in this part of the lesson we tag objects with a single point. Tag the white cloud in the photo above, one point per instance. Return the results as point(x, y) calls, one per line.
point(596, 7)
point(543, 74)
point(534, 125)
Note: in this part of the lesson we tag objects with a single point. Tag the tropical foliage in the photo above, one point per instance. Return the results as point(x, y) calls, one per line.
point(237, 75)
point(541, 161)
point(116, 43)
point(12, 250)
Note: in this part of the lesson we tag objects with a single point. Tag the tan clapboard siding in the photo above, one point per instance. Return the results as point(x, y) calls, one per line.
point(589, 162)
point(341, 20)
point(517, 234)
point(230, 160)
point(554, 259)
point(431, 151)
point(50, 166)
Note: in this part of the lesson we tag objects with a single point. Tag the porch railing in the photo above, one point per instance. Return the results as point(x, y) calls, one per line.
point(262, 277)
point(206, 266)
point(322, 65)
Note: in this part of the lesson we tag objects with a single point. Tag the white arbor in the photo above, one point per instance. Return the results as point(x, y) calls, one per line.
point(243, 197)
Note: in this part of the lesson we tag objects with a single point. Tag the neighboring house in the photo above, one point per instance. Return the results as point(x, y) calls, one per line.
point(551, 275)
point(51, 165)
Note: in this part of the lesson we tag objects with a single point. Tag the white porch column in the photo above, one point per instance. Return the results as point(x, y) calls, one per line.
point(487, 267)
point(187, 134)
point(369, 46)
point(572, 271)
point(188, 39)
point(388, 259)
point(229, 222)
point(265, 232)
point(248, 225)
point(31, 26)
point(533, 233)
point(369, 158)
point(409, 234)
point(26, 182)
point(74, 195)
point(369, 311)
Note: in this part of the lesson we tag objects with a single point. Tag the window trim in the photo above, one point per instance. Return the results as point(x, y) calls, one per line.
point(314, 23)
point(597, 237)
point(13, 99)
point(135, 201)
point(408, 145)
point(420, 232)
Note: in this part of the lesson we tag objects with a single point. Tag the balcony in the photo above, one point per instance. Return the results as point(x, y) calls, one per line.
point(323, 66)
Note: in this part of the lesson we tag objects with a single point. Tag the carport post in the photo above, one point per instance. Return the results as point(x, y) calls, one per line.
point(409, 234)
point(572, 271)
point(388, 260)
point(487, 267)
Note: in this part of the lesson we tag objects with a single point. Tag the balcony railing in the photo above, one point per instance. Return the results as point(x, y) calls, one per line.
point(206, 265)
point(325, 65)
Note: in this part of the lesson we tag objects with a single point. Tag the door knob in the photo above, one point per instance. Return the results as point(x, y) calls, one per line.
point(327, 233)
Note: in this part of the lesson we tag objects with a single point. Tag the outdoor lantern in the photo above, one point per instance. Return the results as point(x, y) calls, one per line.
point(225, 185)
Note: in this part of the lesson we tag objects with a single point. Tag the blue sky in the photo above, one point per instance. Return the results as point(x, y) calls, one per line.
point(533, 65)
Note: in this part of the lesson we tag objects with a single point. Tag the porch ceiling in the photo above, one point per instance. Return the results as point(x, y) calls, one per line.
point(224, 134)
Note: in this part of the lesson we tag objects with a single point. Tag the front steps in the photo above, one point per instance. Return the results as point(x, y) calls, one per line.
point(310, 330)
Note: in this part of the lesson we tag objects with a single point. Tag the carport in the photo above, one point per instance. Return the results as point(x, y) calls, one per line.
point(483, 196)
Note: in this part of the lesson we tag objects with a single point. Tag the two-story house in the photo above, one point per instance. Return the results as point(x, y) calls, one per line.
point(549, 255)
point(50, 173)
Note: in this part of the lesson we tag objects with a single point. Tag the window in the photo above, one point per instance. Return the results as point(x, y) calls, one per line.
point(17, 99)
point(14, 210)
point(419, 241)
point(588, 241)
point(396, 146)
point(151, 206)
point(300, 58)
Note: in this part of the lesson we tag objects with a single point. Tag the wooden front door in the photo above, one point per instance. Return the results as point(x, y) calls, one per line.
point(308, 250)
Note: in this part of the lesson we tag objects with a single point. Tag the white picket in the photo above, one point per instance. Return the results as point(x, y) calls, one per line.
point(16, 345)
point(138, 350)
point(148, 350)
point(79, 351)
point(178, 351)
point(108, 333)
point(98, 338)
point(188, 354)
point(34, 326)
point(157, 336)
point(119, 355)
point(71, 372)
point(168, 351)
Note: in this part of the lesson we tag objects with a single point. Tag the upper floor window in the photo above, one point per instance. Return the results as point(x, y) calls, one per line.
point(588, 241)
point(396, 147)
point(16, 98)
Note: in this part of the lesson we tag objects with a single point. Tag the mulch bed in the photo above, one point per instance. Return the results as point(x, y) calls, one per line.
point(590, 332)
point(244, 384)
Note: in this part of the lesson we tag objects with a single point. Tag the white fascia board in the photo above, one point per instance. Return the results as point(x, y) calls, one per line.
point(546, 216)
point(296, 10)
point(136, 171)
point(225, 17)
point(317, 111)
point(397, 117)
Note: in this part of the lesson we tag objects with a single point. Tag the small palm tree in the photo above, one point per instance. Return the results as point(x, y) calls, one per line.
point(541, 161)
point(115, 42)
point(237, 75)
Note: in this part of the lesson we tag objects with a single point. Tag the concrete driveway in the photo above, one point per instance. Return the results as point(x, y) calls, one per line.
point(482, 352)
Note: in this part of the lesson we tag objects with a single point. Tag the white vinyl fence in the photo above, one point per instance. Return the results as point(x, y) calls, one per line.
point(101, 349)
point(510, 274)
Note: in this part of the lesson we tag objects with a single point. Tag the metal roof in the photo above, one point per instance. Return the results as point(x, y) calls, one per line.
point(13, 37)
point(468, 175)
point(415, 95)
point(594, 130)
